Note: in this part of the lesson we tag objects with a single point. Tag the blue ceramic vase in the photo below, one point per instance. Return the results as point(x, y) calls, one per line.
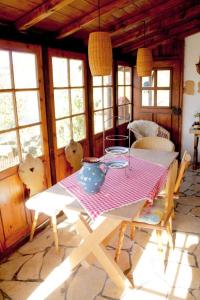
point(91, 176)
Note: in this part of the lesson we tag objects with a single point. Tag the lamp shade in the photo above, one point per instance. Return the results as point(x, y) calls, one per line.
point(144, 62)
point(100, 53)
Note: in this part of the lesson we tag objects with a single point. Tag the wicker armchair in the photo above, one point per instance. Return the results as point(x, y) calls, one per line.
point(143, 128)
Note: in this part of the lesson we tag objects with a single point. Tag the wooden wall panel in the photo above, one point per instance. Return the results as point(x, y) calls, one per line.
point(13, 212)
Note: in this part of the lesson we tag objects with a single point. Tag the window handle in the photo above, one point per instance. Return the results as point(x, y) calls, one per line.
point(176, 111)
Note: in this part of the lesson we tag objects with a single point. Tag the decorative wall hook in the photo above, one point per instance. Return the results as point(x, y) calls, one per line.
point(198, 66)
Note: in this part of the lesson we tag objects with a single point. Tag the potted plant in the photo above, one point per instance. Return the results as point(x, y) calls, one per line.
point(197, 123)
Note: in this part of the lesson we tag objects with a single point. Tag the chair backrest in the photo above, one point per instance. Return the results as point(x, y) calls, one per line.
point(32, 173)
point(74, 155)
point(154, 142)
point(186, 159)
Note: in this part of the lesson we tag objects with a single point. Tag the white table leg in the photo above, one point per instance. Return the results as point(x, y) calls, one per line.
point(91, 243)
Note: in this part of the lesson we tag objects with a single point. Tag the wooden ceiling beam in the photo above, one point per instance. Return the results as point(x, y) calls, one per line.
point(90, 17)
point(175, 32)
point(40, 13)
point(125, 23)
point(158, 24)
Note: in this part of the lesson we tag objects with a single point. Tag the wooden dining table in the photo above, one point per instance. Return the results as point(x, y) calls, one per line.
point(94, 233)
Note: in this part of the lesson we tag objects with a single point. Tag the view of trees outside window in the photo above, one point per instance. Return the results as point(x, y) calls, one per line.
point(20, 121)
point(156, 90)
point(69, 100)
point(124, 91)
point(102, 103)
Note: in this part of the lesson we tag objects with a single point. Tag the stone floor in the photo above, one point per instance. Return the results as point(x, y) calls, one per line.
point(174, 275)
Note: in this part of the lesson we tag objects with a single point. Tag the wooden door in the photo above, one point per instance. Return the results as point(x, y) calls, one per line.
point(158, 98)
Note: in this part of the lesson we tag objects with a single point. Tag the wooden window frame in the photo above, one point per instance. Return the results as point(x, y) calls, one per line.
point(67, 55)
point(124, 64)
point(36, 50)
point(155, 89)
point(102, 86)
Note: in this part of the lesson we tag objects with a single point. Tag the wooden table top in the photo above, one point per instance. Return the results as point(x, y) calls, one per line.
point(58, 197)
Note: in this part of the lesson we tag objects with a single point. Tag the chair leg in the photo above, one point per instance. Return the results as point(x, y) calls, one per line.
point(132, 232)
point(159, 237)
point(120, 241)
point(34, 225)
point(55, 233)
point(169, 234)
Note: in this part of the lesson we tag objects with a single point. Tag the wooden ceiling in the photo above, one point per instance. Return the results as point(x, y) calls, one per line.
point(124, 19)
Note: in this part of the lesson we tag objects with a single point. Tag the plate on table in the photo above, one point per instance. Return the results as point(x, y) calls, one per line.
point(117, 164)
point(116, 150)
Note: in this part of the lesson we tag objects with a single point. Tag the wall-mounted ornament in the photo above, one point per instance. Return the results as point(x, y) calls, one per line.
point(189, 87)
point(198, 67)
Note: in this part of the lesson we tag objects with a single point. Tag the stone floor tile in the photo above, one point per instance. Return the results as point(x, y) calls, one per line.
point(111, 290)
point(86, 284)
point(59, 293)
point(197, 254)
point(185, 185)
point(123, 262)
point(186, 241)
point(142, 237)
point(127, 243)
point(180, 294)
point(50, 260)
point(181, 257)
point(186, 223)
point(196, 294)
point(142, 294)
point(18, 290)
point(14, 255)
point(9, 268)
point(195, 211)
point(184, 209)
point(194, 201)
point(31, 269)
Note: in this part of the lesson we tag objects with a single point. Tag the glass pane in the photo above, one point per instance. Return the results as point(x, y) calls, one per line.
point(60, 72)
point(163, 78)
point(163, 98)
point(77, 101)
point(124, 113)
point(5, 79)
point(78, 124)
point(61, 102)
point(127, 75)
point(148, 98)
point(120, 75)
point(7, 118)
point(97, 98)
point(8, 150)
point(128, 93)
point(108, 102)
point(27, 107)
point(148, 81)
point(76, 72)
point(108, 118)
point(24, 65)
point(31, 141)
point(107, 80)
point(98, 121)
point(63, 132)
point(121, 93)
point(97, 80)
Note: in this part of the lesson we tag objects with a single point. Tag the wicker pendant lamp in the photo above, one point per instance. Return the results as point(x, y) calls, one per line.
point(144, 62)
point(100, 52)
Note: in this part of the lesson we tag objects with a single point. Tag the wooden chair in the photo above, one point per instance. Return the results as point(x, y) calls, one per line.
point(154, 142)
point(74, 155)
point(32, 173)
point(158, 216)
point(185, 162)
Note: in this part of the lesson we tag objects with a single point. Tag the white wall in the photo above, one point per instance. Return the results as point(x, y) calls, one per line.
point(191, 103)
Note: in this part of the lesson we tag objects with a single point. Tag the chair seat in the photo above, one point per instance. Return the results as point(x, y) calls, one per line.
point(152, 214)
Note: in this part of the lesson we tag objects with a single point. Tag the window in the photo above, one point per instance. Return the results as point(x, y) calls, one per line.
point(69, 99)
point(20, 116)
point(156, 89)
point(124, 89)
point(102, 103)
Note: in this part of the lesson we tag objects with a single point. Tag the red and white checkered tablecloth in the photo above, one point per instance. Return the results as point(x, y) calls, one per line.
point(144, 181)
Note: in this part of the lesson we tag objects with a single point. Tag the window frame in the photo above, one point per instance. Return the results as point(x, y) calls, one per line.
point(36, 50)
point(67, 55)
point(156, 88)
point(102, 86)
point(124, 65)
